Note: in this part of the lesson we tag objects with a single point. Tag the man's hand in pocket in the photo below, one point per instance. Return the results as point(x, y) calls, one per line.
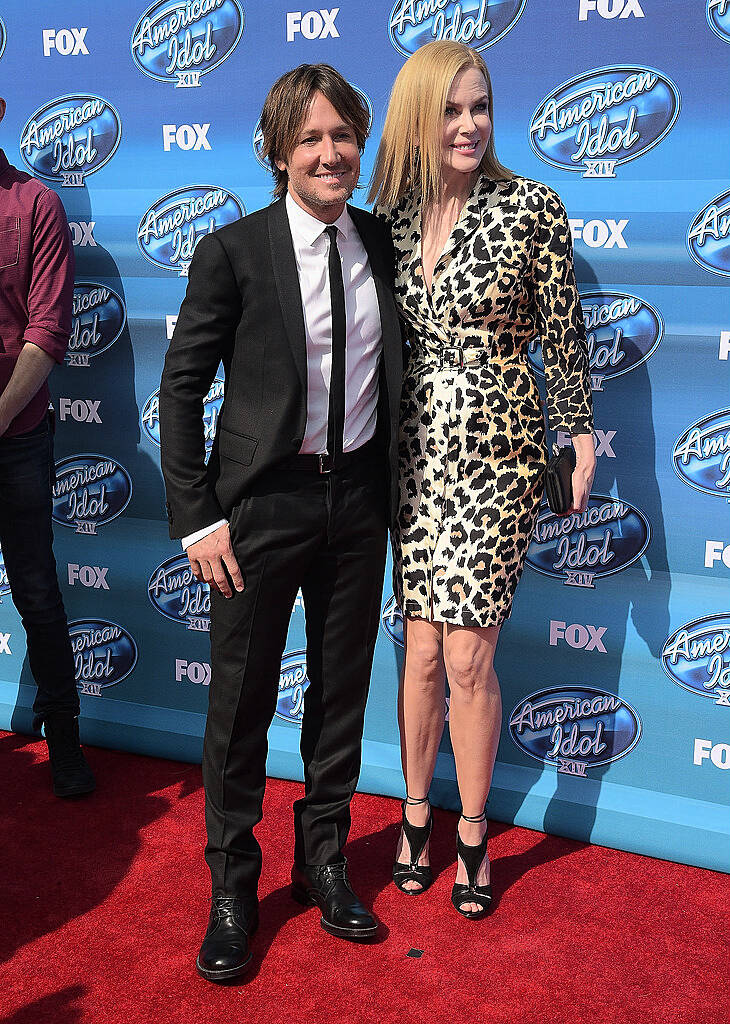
point(211, 557)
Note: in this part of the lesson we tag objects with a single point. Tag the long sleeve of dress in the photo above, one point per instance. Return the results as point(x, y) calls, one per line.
point(559, 322)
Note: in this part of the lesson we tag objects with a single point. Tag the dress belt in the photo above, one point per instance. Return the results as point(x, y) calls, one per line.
point(310, 463)
point(453, 356)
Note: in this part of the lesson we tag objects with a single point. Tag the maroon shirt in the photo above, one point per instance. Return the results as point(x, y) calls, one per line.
point(36, 279)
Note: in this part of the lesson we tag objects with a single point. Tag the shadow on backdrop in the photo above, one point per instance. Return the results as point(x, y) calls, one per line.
point(642, 597)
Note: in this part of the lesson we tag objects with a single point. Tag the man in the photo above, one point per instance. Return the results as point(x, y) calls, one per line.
point(296, 300)
point(36, 289)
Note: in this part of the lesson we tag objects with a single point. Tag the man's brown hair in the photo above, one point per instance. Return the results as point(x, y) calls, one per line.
point(287, 105)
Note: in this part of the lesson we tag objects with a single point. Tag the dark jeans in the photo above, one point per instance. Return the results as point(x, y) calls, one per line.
point(26, 538)
point(326, 534)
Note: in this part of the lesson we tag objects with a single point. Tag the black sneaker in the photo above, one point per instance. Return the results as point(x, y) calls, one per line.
point(69, 768)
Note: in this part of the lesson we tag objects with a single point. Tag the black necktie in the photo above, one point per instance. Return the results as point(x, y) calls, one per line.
point(336, 414)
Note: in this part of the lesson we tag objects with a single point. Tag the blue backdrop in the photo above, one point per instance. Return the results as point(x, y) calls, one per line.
point(615, 665)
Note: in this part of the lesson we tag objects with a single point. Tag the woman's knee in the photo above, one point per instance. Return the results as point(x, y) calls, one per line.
point(469, 669)
point(424, 651)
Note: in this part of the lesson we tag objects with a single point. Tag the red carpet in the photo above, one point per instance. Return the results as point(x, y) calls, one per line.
point(104, 907)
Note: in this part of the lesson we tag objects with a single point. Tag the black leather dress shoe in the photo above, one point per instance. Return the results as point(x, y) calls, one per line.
point(326, 886)
point(225, 951)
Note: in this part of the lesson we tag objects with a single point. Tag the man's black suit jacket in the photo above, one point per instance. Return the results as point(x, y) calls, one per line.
point(243, 307)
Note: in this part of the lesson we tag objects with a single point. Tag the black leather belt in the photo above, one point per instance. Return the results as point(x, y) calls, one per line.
point(323, 463)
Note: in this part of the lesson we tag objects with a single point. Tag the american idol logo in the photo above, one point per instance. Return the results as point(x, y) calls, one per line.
point(70, 138)
point(257, 140)
point(574, 727)
point(622, 331)
point(697, 657)
point(708, 236)
point(583, 546)
point(701, 454)
point(603, 118)
point(293, 685)
point(478, 23)
point(391, 619)
point(176, 594)
point(4, 585)
point(211, 411)
point(104, 654)
point(90, 491)
point(718, 18)
point(98, 318)
point(171, 228)
point(181, 40)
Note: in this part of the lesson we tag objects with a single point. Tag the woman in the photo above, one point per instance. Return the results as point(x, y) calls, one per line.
point(484, 266)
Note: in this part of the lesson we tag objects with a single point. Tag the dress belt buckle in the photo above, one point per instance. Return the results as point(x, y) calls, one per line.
point(325, 463)
point(452, 356)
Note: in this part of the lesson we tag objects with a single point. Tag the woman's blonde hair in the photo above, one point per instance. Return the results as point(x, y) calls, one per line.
point(410, 151)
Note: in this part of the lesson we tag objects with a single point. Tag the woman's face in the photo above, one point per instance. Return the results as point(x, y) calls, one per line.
point(467, 126)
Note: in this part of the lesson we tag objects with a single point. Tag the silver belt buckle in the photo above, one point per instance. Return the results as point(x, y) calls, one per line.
point(325, 463)
point(452, 356)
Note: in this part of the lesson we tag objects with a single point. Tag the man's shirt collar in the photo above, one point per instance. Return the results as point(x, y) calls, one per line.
point(306, 229)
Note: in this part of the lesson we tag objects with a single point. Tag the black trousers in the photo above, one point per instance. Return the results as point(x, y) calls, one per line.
point(26, 538)
point(326, 534)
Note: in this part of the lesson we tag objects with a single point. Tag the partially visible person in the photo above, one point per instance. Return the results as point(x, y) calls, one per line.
point(484, 264)
point(36, 290)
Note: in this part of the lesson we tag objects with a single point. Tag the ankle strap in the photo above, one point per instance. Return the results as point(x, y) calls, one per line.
point(475, 820)
point(411, 801)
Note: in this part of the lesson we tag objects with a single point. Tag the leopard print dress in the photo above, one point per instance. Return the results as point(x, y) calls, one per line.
point(472, 434)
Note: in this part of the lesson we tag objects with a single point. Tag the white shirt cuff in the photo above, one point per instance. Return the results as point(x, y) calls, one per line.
point(199, 534)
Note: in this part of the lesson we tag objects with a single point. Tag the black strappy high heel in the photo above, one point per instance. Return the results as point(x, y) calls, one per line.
point(472, 857)
point(417, 836)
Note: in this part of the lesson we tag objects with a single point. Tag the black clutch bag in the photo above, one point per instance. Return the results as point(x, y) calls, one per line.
point(558, 480)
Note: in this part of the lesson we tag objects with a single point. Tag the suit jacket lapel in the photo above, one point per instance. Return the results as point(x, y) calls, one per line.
point(287, 286)
point(290, 297)
point(390, 326)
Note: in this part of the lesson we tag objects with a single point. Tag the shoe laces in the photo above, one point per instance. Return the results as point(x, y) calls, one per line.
point(334, 875)
point(227, 906)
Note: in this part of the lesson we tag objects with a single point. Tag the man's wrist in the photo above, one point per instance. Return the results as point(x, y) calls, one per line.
point(193, 538)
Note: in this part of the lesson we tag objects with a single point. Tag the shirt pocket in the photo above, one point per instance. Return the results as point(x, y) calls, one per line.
point(9, 242)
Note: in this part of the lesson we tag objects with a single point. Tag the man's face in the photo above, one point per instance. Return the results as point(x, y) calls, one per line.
point(324, 165)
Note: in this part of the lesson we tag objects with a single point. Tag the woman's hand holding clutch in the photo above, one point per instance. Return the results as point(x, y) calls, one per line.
point(585, 468)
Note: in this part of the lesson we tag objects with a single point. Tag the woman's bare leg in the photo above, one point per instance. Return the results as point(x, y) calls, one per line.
point(475, 719)
point(421, 704)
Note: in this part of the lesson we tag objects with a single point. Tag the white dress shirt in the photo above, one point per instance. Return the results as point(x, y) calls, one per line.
point(364, 334)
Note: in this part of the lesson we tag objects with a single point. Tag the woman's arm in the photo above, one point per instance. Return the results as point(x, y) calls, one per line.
point(559, 322)
point(585, 468)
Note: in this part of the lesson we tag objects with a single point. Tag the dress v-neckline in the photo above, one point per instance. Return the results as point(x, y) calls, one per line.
point(447, 246)
point(429, 287)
